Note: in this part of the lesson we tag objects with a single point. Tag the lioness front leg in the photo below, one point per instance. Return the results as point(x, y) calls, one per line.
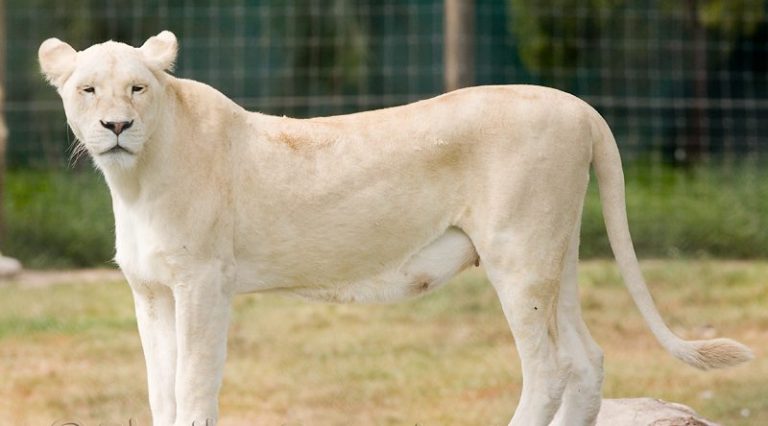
point(202, 316)
point(156, 317)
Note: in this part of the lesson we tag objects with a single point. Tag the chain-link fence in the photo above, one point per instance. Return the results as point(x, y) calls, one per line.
point(679, 81)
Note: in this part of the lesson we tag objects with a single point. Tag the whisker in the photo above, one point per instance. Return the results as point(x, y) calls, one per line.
point(77, 149)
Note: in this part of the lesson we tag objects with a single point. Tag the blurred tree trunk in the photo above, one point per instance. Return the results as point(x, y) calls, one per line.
point(459, 55)
point(3, 128)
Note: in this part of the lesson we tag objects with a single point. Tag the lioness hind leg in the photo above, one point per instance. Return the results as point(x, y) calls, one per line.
point(529, 302)
point(582, 397)
point(525, 255)
point(527, 280)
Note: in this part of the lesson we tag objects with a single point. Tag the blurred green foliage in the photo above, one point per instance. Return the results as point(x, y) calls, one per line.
point(701, 212)
point(552, 33)
point(681, 66)
point(731, 17)
point(340, 52)
point(58, 218)
point(546, 40)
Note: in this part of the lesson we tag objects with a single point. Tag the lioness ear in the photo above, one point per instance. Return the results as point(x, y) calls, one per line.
point(160, 51)
point(57, 60)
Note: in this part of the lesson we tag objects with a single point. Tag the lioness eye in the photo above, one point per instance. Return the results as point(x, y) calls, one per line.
point(137, 89)
point(89, 89)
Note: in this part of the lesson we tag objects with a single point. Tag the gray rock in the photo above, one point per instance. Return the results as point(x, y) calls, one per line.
point(9, 267)
point(648, 412)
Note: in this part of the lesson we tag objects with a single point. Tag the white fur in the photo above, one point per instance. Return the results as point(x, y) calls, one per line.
point(211, 200)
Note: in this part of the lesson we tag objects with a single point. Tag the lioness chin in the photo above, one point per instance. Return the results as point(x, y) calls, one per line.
point(211, 200)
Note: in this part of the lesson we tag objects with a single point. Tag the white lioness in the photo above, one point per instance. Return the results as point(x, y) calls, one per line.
point(211, 200)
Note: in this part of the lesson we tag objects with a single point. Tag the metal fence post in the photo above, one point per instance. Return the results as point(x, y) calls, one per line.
point(3, 128)
point(458, 53)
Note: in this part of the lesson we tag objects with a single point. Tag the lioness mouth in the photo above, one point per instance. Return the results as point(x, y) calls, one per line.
point(115, 150)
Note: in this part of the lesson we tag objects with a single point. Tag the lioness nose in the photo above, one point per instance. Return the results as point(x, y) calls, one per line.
point(117, 127)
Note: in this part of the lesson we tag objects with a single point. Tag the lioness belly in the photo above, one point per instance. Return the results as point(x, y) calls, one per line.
point(423, 271)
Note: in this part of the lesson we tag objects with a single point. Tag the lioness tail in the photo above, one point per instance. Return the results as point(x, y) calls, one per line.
point(703, 354)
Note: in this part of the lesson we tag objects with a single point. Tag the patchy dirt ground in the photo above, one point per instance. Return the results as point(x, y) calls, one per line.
point(36, 278)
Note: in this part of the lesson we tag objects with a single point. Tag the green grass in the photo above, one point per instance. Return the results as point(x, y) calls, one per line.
point(688, 213)
point(58, 219)
point(72, 352)
point(64, 219)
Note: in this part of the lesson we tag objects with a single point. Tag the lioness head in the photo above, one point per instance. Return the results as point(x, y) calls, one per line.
point(113, 93)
